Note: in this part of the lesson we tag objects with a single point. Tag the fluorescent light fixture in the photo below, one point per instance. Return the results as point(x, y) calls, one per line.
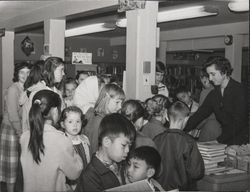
point(239, 5)
point(176, 14)
point(87, 29)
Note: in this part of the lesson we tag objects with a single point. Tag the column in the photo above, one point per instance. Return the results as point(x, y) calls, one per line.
point(6, 63)
point(54, 37)
point(234, 54)
point(141, 51)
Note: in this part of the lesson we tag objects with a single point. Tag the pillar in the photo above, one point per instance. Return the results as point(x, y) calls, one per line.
point(141, 51)
point(6, 63)
point(54, 37)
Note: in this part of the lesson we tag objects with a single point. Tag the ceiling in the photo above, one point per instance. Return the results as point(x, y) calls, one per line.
point(11, 9)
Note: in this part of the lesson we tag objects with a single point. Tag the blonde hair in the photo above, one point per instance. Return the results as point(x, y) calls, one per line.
point(108, 92)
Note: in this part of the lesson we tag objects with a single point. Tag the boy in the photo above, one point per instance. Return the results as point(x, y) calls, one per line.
point(80, 76)
point(116, 134)
point(184, 95)
point(159, 76)
point(69, 91)
point(183, 163)
point(144, 163)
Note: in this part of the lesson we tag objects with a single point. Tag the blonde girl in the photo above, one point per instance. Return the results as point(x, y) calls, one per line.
point(109, 101)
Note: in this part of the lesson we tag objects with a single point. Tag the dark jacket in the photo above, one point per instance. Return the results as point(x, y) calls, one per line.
point(182, 163)
point(153, 128)
point(96, 177)
point(230, 110)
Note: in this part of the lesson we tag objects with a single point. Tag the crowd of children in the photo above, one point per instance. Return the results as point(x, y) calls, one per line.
point(83, 135)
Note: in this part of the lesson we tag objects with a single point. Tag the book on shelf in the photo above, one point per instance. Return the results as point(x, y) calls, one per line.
point(211, 145)
point(142, 185)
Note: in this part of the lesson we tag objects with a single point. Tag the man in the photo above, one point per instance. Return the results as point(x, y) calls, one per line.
point(228, 101)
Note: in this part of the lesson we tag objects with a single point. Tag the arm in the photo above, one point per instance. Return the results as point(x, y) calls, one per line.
point(13, 108)
point(194, 162)
point(202, 113)
point(70, 161)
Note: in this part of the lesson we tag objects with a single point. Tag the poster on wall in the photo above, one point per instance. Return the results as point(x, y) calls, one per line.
point(27, 46)
point(81, 58)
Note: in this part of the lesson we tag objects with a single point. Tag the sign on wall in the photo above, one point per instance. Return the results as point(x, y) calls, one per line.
point(81, 58)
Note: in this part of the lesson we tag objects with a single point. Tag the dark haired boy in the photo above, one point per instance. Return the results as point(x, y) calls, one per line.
point(144, 163)
point(116, 134)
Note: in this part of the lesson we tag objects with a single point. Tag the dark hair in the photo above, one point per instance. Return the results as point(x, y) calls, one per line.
point(148, 154)
point(160, 67)
point(161, 102)
point(115, 124)
point(74, 109)
point(50, 66)
point(178, 109)
point(203, 73)
point(133, 110)
point(42, 103)
point(181, 89)
point(81, 72)
point(36, 74)
point(107, 92)
point(69, 80)
point(18, 67)
point(221, 63)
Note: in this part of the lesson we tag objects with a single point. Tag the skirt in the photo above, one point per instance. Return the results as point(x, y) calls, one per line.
point(9, 154)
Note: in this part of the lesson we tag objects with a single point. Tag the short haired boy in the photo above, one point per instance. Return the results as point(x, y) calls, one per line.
point(144, 163)
point(116, 134)
point(183, 163)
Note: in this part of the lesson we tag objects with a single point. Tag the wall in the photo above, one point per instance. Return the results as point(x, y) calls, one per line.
point(38, 46)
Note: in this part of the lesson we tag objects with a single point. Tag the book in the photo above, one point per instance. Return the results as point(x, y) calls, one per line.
point(142, 185)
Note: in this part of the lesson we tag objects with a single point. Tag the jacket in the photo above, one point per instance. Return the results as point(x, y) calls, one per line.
point(230, 110)
point(96, 177)
point(182, 162)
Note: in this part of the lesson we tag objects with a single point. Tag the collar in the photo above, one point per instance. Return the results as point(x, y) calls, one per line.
point(155, 121)
point(99, 166)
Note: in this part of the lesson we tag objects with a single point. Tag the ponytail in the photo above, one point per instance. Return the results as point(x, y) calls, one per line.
point(36, 121)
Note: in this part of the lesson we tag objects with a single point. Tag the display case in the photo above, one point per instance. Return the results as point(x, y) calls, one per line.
point(72, 69)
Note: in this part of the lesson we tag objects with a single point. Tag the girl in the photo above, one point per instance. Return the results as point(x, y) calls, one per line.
point(11, 127)
point(69, 91)
point(33, 84)
point(81, 75)
point(157, 108)
point(53, 74)
point(72, 122)
point(133, 110)
point(47, 155)
point(109, 101)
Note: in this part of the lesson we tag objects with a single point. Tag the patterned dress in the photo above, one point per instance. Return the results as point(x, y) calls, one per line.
point(9, 139)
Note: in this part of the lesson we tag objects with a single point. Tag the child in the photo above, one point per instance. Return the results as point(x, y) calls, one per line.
point(72, 122)
point(80, 76)
point(69, 91)
point(116, 135)
point(156, 108)
point(183, 163)
point(133, 110)
point(11, 129)
point(53, 74)
point(109, 101)
point(47, 156)
point(184, 95)
point(159, 75)
point(144, 163)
